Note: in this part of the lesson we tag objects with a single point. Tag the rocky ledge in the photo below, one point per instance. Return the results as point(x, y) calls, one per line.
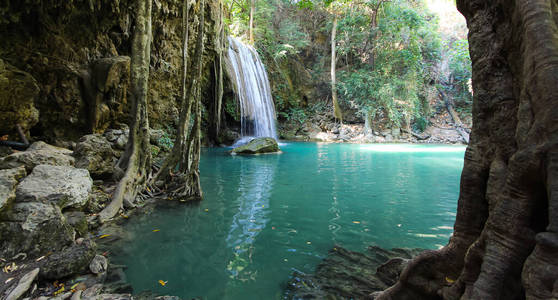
point(48, 225)
point(346, 274)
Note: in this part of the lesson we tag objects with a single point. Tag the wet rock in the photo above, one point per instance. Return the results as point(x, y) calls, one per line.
point(18, 91)
point(23, 285)
point(71, 260)
point(65, 186)
point(118, 137)
point(33, 228)
point(38, 153)
point(9, 178)
point(257, 146)
point(94, 153)
point(98, 265)
point(78, 221)
point(350, 275)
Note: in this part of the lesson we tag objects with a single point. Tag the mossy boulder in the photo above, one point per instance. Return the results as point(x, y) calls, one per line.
point(94, 153)
point(257, 146)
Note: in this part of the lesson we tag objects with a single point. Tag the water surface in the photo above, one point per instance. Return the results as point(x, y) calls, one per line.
point(264, 216)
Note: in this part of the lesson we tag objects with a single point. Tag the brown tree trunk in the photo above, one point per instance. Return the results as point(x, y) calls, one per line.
point(336, 109)
point(505, 236)
point(183, 157)
point(136, 160)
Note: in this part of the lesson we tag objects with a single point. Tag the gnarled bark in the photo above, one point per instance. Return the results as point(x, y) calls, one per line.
point(506, 232)
point(136, 159)
point(185, 153)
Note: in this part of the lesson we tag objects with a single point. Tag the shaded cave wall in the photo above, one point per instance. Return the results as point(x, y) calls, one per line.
point(506, 232)
point(73, 59)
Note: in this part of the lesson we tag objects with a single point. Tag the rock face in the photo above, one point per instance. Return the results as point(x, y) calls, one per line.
point(94, 153)
point(345, 274)
point(60, 185)
point(71, 260)
point(9, 178)
point(257, 146)
point(38, 153)
point(84, 75)
point(33, 228)
point(18, 91)
point(506, 230)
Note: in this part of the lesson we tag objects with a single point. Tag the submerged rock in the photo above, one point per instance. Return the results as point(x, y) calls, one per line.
point(62, 185)
point(350, 275)
point(38, 153)
point(94, 153)
point(257, 146)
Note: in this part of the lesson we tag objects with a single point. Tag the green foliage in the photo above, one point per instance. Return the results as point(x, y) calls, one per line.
point(166, 142)
point(294, 115)
point(390, 80)
point(389, 55)
point(460, 68)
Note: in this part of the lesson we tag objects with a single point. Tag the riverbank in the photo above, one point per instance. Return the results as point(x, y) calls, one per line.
point(322, 128)
point(53, 245)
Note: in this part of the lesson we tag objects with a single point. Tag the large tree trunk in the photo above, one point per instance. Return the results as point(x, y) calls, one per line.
point(184, 159)
point(336, 109)
point(505, 237)
point(136, 160)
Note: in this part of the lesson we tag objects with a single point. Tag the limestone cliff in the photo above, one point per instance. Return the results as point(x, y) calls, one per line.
point(68, 65)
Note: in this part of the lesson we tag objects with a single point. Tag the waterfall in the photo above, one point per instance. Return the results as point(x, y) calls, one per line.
point(256, 104)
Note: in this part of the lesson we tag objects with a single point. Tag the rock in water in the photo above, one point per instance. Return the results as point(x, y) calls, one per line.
point(61, 185)
point(94, 153)
point(345, 274)
point(34, 228)
point(8, 181)
point(23, 285)
point(257, 146)
point(98, 265)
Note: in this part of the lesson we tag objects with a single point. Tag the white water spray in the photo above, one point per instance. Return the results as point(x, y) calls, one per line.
point(256, 104)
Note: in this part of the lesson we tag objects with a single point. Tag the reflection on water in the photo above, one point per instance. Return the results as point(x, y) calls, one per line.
point(255, 186)
point(264, 216)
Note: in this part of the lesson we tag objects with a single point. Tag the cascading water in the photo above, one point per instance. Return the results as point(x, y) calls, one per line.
point(256, 104)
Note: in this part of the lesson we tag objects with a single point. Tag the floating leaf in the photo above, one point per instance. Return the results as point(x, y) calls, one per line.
point(59, 291)
point(162, 283)
point(156, 230)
